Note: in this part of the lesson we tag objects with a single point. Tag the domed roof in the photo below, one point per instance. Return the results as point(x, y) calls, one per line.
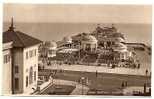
point(67, 39)
point(89, 38)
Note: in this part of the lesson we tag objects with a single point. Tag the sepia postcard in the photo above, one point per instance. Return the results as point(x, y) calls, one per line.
point(76, 49)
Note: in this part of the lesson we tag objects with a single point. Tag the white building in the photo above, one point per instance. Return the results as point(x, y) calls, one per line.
point(52, 49)
point(7, 69)
point(89, 43)
point(24, 53)
point(122, 49)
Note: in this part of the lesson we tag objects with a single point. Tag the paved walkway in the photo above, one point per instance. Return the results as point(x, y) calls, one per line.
point(79, 90)
point(100, 69)
point(130, 90)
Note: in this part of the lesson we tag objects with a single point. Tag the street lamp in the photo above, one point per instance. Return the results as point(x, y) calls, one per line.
point(96, 80)
point(82, 79)
point(51, 77)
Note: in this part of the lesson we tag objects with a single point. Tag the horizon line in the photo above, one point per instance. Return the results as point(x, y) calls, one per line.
point(82, 22)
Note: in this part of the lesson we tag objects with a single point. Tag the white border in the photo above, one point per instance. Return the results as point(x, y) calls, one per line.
point(82, 1)
point(1, 60)
point(134, 2)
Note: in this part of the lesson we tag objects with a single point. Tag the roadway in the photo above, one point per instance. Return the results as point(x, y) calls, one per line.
point(103, 81)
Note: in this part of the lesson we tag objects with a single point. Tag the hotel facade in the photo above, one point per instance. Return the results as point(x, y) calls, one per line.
point(20, 53)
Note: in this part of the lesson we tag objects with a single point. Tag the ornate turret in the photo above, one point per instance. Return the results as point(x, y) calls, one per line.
point(11, 28)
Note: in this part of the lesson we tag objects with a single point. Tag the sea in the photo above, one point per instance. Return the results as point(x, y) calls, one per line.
point(137, 33)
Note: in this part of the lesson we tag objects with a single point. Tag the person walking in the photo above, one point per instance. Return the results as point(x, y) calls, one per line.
point(146, 72)
point(139, 66)
point(122, 85)
point(145, 88)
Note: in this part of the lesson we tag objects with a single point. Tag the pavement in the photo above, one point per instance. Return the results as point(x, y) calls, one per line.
point(129, 90)
point(79, 89)
point(101, 69)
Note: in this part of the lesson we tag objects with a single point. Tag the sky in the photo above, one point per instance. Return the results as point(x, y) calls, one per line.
point(78, 13)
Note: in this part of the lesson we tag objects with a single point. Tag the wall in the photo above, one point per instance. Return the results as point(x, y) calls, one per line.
point(6, 74)
point(30, 62)
point(18, 60)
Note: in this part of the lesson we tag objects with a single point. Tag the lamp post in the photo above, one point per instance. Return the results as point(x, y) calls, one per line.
point(96, 80)
point(82, 79)
point(51, 77)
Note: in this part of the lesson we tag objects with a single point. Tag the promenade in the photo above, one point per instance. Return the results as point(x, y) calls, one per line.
point(101, 69)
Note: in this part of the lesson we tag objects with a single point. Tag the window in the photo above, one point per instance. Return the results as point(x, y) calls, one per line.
point(16, 83)
point(30, 53)
point(35, 52)
point(31, 75)
point(26, 81)
point(16, 69)
point(6, 58)
point(26, 55)
point(35, 76)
